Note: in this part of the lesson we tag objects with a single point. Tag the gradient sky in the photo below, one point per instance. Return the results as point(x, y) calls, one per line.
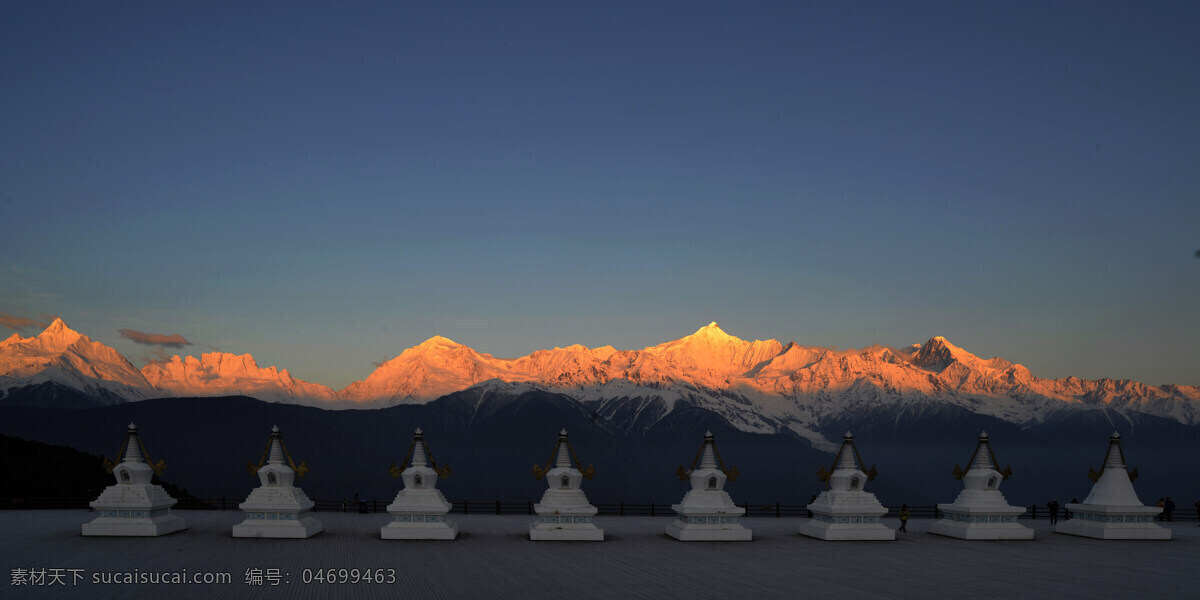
point(323, 187)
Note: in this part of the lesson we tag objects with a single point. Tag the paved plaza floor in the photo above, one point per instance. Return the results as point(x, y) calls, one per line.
point(493, 558)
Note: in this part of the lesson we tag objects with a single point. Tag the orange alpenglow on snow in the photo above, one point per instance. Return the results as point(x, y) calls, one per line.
point(760, 385)
point(62, 355)
point(224, 374)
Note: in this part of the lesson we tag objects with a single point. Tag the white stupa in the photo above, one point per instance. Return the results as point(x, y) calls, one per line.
point(564, 512)
point(1113, 511)
point(980, 512)
point(134, 506)
point(419, 510)
point(707, 513)
point(276, 508)
point(846, 511)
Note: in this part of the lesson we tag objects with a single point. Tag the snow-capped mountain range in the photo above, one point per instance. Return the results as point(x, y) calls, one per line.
point(760, 386)
point(61, 355)
point(224, 374)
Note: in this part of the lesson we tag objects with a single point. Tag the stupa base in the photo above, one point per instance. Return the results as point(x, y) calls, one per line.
point(1113, 531)
point(572, 532)
point(445, 529)
point(1107, 522)
point(981, 531)
point(305, 527)
point(685, 532)
point(824, 530)
point(134, 527)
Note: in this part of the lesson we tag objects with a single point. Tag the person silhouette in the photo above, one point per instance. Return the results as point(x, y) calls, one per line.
point(1053, 506)
point(904, 518)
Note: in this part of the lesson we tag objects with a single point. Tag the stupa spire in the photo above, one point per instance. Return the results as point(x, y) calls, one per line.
point(983, 459)
point(1114, 458)
point(846, 461)
point(133, 452)
point(708, 460)
point(563, 460)
point(562, 456)
point(983, 453)
point(419, 459)
point(847, 454)
point(276, 455)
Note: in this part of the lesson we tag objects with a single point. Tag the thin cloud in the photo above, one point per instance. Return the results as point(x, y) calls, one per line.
point(16, 323)
point(156, 354)
point(154, 339)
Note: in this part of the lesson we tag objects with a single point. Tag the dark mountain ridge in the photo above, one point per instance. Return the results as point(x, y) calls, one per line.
point(492, 439)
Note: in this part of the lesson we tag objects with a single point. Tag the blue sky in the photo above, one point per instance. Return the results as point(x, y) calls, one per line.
point(323, 187)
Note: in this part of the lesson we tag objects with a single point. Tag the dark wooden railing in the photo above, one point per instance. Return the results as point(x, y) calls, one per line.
point(498, 507)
